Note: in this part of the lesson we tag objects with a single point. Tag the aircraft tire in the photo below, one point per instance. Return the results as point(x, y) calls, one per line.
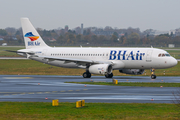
point(109, 75)
point(153, 76)
point(87, 75)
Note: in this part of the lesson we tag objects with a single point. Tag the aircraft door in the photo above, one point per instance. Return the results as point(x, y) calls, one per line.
point(44, 52)
point(148, 57)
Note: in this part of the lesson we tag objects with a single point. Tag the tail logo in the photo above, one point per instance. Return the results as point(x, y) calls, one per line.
point(33, 39)
point(31, 36)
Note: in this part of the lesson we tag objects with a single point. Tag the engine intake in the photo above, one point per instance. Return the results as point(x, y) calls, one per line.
point(100, 69)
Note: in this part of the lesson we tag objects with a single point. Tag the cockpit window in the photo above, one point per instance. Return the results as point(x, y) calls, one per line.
point(167, 55)
point(164, 54)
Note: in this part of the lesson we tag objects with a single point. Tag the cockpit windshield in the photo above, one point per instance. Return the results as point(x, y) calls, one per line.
point(167, 54)
point(164, 54)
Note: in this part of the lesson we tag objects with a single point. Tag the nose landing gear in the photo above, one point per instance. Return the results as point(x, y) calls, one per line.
point(153, 76)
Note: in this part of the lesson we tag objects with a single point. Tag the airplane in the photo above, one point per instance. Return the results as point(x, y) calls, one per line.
point(94, 60)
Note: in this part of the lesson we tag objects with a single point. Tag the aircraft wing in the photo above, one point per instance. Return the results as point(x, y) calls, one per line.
point(78, 61)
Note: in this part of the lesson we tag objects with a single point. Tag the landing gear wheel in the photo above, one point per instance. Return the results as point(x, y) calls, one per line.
point(153, 76)
point(87, 75)
point(109, 75)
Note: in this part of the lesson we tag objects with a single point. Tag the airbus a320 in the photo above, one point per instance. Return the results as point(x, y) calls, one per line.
point(94, 60)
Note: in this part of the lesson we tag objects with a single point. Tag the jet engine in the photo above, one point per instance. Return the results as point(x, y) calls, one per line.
point(132, 71)
point(100, 69)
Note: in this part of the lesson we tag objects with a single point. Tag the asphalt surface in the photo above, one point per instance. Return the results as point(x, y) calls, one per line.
point(45, 88)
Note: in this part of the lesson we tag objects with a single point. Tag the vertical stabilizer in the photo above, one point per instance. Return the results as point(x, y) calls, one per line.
point(32, 38)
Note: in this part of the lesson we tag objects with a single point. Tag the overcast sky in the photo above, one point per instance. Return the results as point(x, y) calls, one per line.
point(51, 14)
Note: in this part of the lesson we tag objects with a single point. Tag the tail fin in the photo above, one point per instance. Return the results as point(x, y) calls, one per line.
point(31, 37)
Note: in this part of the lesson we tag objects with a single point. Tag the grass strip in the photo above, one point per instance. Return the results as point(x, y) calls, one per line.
point(4, 53)
point(114, 111)
point(140, 84)
point(31, 67)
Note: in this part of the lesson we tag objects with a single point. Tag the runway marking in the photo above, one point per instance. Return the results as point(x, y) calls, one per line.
point(9, 92)
point(98, 98)
point(121, 94)
point(17, 78)
point(135, 94)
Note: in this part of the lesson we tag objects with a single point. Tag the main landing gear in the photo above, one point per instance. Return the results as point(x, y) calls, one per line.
point(87, 74)
point(153, 76)
point(109, 75)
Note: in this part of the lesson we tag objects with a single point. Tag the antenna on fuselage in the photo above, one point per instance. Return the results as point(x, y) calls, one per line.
point(151, 46)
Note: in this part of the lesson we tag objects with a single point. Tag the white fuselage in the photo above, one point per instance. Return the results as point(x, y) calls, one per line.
point(121, 58)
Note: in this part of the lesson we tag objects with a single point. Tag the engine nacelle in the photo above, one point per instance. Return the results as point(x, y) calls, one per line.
point(132, 71)
point(100, 69)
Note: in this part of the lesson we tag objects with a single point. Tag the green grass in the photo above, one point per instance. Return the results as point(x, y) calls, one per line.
point(107, 111)
point(174, 53)
point(30, 67)
point(141, 84)
point(9, 54)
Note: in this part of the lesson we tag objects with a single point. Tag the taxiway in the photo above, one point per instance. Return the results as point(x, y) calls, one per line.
point(45, 88)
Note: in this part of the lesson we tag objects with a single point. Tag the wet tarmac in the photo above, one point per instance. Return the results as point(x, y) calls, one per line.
point(45, 88)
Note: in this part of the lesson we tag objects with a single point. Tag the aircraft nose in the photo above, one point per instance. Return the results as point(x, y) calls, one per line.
point(174, 62)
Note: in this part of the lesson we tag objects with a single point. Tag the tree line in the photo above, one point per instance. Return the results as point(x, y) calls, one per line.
point(119, 37)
